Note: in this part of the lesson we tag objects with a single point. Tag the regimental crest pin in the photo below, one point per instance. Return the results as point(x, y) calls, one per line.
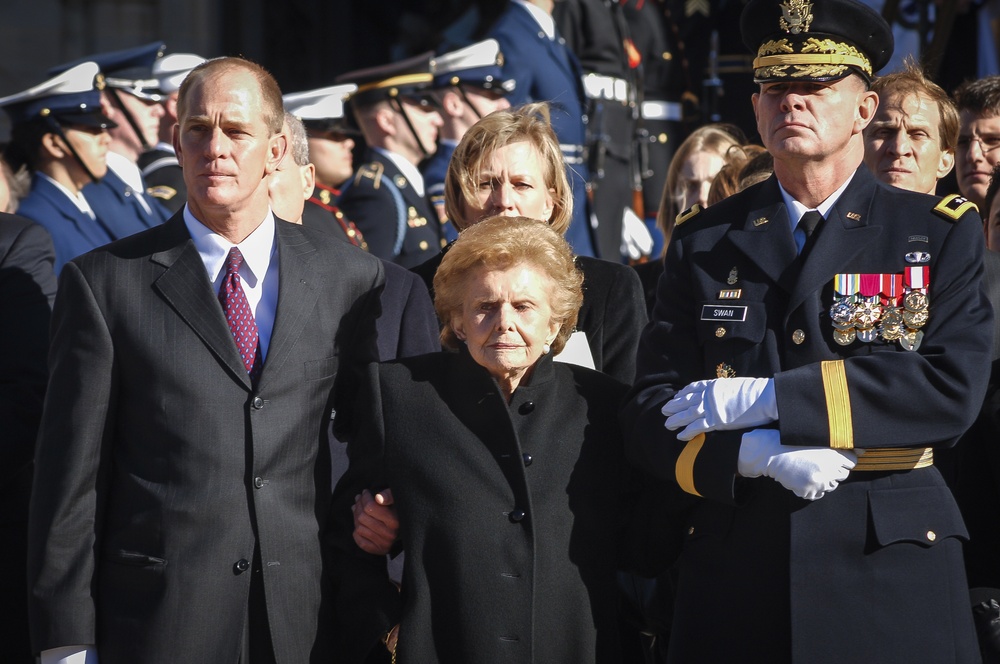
point(760, 221)
point(854, 215)
point(723, 370)
point(734, 276)
point(796, 15)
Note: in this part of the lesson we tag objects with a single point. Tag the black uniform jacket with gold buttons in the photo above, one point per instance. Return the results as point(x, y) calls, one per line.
point(512, 515)
point(397, 223)
point(881, 555)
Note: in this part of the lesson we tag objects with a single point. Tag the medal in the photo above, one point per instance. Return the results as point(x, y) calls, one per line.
point(867, 312)
point(891, 326)
point(844, 337)
point(842, 313)
point(867, 334)
point(915, 301)
point(915, 319)
point(911, 340)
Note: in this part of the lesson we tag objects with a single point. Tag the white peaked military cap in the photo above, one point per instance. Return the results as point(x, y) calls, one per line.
point(479, 65)
point(320, 104)
point(171, 70)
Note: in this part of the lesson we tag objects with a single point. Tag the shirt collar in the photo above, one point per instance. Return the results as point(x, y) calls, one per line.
point(127, 170)
point(78, 199)
point(214, 249)
point(796, 209)
point(409, 171)
point(544, 19)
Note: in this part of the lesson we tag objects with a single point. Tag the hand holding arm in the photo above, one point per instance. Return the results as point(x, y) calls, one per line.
point(808, 472)
point(721, 404)
point(376, 524)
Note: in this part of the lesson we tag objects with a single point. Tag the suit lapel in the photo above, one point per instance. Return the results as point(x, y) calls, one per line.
point(297, 294)
point(765, 236)
point(184, 285)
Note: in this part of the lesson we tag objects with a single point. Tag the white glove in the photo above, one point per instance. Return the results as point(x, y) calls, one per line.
point(808, 472)
point(721, 404)
point(636, 239)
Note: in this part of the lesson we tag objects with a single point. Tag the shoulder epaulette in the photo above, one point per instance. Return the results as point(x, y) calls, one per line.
point(372, 171)
point(162, 191)
point(953, 206)
point(689, 213)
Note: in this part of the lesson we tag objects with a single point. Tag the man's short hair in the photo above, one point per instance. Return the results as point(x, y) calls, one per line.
point(981, 96)
point(912, 81)
point(298, 140)
point(270, 94)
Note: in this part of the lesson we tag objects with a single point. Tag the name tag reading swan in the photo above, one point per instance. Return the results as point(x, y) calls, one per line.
point(719, 312)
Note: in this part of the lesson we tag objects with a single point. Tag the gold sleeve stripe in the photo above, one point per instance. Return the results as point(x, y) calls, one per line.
point(838, 405)
point(684, 469)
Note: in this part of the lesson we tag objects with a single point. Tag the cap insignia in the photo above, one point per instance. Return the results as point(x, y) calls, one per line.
point(99, 81)
point(796, 15)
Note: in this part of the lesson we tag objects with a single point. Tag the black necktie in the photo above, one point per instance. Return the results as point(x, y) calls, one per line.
point(809, 223)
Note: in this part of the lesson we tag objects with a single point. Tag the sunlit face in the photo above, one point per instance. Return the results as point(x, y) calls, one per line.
point(332, 154)
point(806, 120)
point(977, 153)
point(506, 320)
point(288, 187)
point(485, 101)
point(91, 144)
point(903, 143)
point(512, 184)
point(146, 114)
point(993, 226)
point(695, 179)
point(225, 149)
point(426, 121)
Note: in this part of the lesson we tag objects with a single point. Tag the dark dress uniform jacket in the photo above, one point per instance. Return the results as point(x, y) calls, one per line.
point(871, 572)
point(510, 514)
point(159, 466)
point(115, 203)
point(164, 178)
point(397, 223)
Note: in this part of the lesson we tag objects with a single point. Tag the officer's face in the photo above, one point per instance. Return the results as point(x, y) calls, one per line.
point(225, 148)
point(332, 154)
point(512, 183)
point(977, 153)
point(91, 143)
point(903, 143)
point(809, 121)
point(426, 121)
point(147, 116)
point(485, 101)
point(288, 187)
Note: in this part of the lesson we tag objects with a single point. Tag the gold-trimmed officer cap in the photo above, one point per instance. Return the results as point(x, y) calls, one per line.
point(405, 79)
point(817, 40)
point(322, 109)
point(72, 97)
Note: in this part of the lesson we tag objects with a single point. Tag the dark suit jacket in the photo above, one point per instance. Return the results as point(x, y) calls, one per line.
point(160, 468)
point(612, 315)
point(885, 547)
point(27, 287)
point(73, 232)
point(546, 70)
point(511, 514)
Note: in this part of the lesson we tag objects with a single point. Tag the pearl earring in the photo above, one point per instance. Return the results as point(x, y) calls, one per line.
point(546, 349)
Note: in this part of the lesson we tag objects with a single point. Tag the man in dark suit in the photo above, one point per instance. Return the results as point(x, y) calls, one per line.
point(182, 482)
point(385, 198)
point(27, 288)
point(816, 338)
point(546, 70)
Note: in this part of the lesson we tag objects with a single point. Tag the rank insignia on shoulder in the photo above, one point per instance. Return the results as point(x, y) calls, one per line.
point(372, 171)
point(689, 213)
point(163, 192)
point(953, 206)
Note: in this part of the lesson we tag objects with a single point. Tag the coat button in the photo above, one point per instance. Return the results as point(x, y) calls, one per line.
point(526, 407)
point(258, 403)
point(798, 336)
point(258, 482)
point(526, 458)
point(931, 535)
point(720, 332)
point(517, 516)
point(242, 565)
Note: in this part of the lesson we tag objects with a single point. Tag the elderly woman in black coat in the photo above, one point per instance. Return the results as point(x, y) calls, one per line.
point(513, 496)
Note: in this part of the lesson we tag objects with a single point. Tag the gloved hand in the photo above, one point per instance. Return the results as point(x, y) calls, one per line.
point(808, 472)
point(721, 404)
point(636, 239)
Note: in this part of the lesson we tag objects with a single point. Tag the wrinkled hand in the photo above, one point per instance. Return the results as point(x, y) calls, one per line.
point(636, 239)
point(376, 524)
point(808, 472)
point(721, 404)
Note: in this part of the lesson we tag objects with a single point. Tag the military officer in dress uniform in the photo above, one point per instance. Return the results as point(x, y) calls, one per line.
point(815, 338)
point(61, 134)
point(399, 119)
point(130, 99)
point(330, 142)
point(163, 175)
point(469, 84)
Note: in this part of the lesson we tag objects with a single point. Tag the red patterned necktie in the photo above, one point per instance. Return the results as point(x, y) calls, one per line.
point(239, 316)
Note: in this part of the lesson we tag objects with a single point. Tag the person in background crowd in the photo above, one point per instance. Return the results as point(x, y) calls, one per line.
point(978, 105)
point(398, 116)
point(768, 389)
point(469, 85)
point(547, 71)
point(129, 99)
point(291, 183)
point(181, 496)
point(162, 173)
point(911, 142)
point(728, 180)
point(60, 134)
point(331, 145)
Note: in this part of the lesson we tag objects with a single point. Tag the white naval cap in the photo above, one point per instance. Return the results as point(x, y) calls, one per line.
point(320, 104)
point(171, 70)
point(479, 64)
point(72, 96)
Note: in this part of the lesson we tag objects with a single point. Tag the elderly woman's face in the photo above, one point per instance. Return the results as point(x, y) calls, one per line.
point(506, 319)
point(512, 184)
